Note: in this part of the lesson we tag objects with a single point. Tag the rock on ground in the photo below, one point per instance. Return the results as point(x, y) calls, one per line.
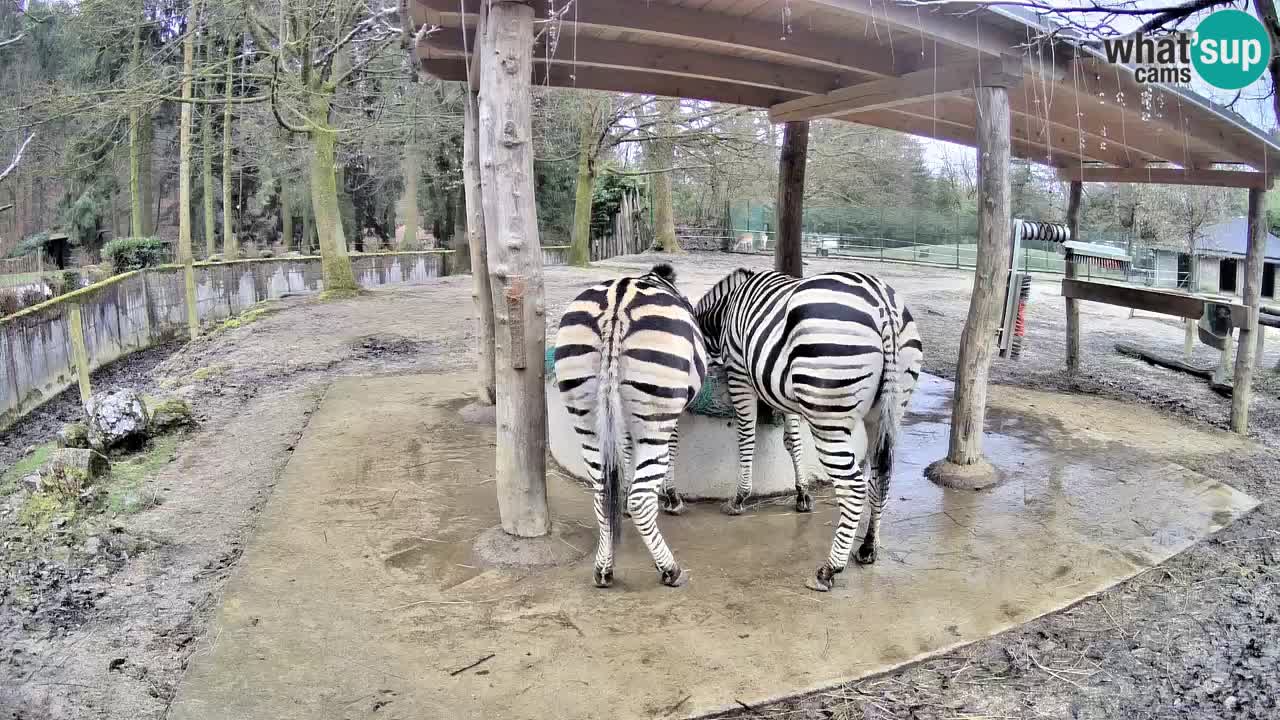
point(169, 413)
point(74, 435)
point(70, 471)
point(117, 418)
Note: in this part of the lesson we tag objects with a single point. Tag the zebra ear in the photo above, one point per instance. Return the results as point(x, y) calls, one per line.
point(664, 271)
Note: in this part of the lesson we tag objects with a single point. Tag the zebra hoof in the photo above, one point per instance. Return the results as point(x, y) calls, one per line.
point(866, 554)
point(821, 580)
point(732, 507)
point(603, 578)
point(675, 577)
point(804, 501)
point(673, 504)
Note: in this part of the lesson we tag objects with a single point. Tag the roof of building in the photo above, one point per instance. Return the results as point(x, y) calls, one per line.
point(907, 68)
point(1230, 237)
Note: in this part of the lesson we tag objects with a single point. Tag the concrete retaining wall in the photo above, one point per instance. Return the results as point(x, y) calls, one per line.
point(139, 309)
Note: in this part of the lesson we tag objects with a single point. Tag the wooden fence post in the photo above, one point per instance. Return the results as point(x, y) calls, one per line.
point(481, 294)
point(964, 465)
point(79, 351)
point(787, 256)
point(1073, 309)
point(1246, 352)
point(515, 266)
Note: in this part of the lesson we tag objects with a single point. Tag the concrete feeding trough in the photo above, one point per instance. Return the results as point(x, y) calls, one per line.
point(707, 465)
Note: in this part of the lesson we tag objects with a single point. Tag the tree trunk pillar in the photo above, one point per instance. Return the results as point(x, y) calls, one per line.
point(1246, 351)
point(964, 465)
point(1073, 308)
point(515, 266)
point(790, 212)
point(481, 293)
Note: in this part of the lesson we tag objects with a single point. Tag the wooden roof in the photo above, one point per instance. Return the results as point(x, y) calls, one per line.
point(870, 62)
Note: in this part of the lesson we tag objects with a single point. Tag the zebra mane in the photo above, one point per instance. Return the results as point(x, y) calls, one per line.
point(723, 287)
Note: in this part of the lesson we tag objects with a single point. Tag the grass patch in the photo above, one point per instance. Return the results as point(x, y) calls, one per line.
point(207, 372)
point(27, 465)
point(245, 318)
point(44, 511)
point(329, 295)
point(126, 493)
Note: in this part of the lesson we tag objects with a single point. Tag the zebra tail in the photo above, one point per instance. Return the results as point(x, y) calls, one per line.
point(890, 407)
point(611, 434)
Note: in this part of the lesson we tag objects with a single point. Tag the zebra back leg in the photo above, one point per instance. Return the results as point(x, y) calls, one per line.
point(652, 460)
point(744, 400)
point(583, 410)
point(630, 476)
point(877, 496)
point(840, 452)
point(672, 503)
point(791, 438)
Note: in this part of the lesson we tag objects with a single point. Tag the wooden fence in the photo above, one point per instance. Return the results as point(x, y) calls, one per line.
point(631, 234)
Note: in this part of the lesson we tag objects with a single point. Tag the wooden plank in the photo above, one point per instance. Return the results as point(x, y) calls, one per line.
point(1164, 302)
point(1169, 176)
point(629, 81)
point(593, 52)
point(1252, 296)
point(963, 133)
point(790, 206)
point(1073, 310)
point(804, 45)
point(904, 90)
point(515, 268)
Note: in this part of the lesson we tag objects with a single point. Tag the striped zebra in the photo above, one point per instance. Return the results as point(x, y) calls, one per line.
point(837, 350)
point(629, 357)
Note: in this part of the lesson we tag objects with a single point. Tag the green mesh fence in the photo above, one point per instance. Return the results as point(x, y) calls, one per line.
point(712, 399)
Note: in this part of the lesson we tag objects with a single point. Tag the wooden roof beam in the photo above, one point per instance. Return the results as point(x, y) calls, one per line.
point(803, 46)
point(594, 52)
point(905, 90)
point(956, 30)
point(1170, 176)
point(626, 81)
point(963, 134)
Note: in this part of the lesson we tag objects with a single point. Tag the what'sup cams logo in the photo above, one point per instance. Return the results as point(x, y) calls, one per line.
point(1228, 49)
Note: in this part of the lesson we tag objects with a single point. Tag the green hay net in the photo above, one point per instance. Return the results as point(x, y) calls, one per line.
point(712, 400)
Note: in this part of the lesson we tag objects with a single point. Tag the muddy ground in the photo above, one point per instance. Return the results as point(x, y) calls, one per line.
point(104, 628)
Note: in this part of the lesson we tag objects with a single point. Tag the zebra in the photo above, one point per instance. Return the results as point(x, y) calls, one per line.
point(837, 350)
point(629, 358)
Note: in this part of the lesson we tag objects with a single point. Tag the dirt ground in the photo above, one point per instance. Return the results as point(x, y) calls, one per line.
point(104, 629)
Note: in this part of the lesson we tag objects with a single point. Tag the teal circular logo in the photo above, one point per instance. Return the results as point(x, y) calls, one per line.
point(1231, 49)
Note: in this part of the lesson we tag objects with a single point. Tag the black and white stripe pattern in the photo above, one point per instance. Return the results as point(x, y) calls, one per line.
point(840, 352)
point(629, 357)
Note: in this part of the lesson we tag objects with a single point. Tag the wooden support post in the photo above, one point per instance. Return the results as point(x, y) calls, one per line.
point(481, 294)
point(79, 351)
point(1073, 308)
point(1242, 385)
point(515, 266)
point(964, 465)
point(790, 211)
point(1189, 342)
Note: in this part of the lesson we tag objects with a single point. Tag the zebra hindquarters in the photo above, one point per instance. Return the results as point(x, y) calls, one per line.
point(653, 412)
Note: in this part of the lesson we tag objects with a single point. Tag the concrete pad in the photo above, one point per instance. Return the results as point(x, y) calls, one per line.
point(361, 595)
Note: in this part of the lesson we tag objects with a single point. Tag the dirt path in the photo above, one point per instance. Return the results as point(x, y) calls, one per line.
point(1198, 639)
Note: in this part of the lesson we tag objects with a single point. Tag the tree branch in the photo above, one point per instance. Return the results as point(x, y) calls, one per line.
point(16, 158)
point(12, 40)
